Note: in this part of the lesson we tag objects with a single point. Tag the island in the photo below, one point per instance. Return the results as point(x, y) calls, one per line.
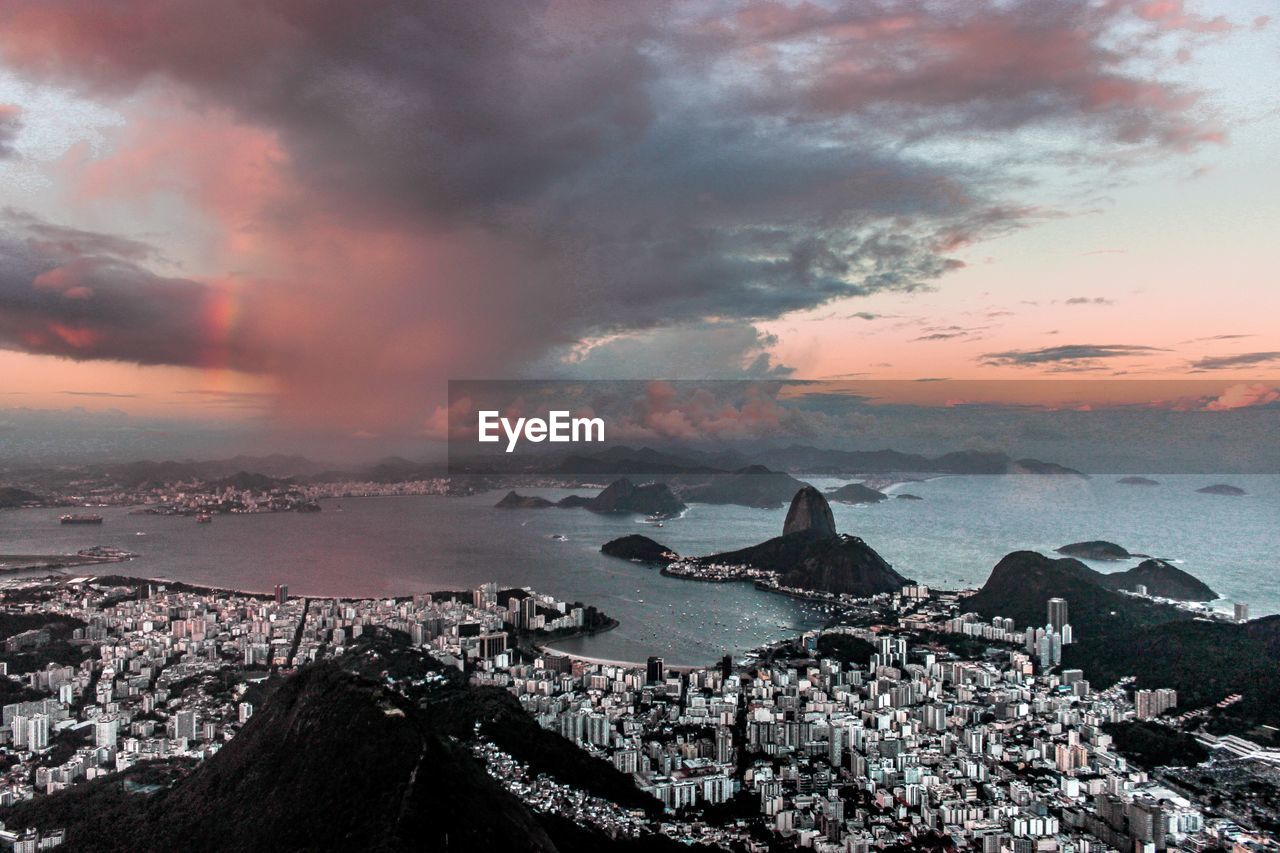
point(1222, 489)
point(640, 549)
point(856, 493)
point(1137, 481)
point(619, 497)
point(1053, 469)
point(516, 501)
point(1096, 549)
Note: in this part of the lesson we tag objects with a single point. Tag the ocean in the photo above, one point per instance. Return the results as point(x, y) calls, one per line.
point(951, 539)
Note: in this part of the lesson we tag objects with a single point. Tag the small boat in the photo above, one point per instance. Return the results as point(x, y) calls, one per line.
point(559, 537)
point(203, 518)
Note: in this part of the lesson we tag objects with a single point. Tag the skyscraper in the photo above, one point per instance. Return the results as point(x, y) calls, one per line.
point(654, 671)
point(185, 723)
point(38, 732)
point(1242, 612)
point(1057, 613)
point(528, 610)
point(282, 593)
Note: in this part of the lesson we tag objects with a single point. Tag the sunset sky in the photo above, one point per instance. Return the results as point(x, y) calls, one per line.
point(316, 213)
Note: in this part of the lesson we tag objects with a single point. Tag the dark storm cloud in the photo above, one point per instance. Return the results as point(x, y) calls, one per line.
point(637, 166)
point(1067, 354)
point(81, 295)
point(1227, 362)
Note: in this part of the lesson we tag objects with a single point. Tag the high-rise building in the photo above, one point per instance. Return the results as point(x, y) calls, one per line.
point(654, 671)
point(185, 723)
point(38, 732)
point(485, 594)
point(282, 593)
point(1057, 613)
point(492, 645)
point(528, 610)
point(724, 745)
point(1242, 612)
point(106, 730)
point(19, 727)
point(1152, 703)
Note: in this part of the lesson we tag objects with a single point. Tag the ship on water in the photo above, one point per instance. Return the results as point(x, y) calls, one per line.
point(81, 519)
point(203, 518)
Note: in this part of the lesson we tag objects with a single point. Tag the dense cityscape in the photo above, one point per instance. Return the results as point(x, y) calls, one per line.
point(908, 722)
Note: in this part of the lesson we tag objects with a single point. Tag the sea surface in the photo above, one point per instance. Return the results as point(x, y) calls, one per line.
point(951, 539)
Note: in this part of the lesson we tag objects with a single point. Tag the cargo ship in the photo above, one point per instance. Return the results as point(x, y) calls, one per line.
point(81, 519)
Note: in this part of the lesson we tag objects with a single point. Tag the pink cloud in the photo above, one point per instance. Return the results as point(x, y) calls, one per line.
point(1244, 396)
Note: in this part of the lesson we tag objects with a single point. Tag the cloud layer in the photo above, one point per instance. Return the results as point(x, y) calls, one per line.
point(399, 192)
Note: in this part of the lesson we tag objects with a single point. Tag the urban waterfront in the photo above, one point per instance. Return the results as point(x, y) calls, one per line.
point(404, 545)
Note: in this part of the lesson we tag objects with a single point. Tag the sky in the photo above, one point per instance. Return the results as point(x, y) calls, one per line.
point(311, 215)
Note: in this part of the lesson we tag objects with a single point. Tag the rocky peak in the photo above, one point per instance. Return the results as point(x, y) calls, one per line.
point(809, 511)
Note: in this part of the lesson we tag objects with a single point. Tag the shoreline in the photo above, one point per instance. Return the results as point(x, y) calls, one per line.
point(627, 664)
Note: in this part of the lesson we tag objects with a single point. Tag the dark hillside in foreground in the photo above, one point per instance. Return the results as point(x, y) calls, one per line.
point(336, 761)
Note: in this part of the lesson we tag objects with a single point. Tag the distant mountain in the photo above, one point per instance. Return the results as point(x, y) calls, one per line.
point(514, 501)
point(623, 496)
point(1162, 579)
point(1222, 489)
point(245, 481)
point(393, 469)
point(970, 462)
point(11, 496)
point(811, 555)
point(856, 493)
point(620, 496)
point(1022, 583)
point(625, 460)
point(754, 485)
point(813, 460)
point(149, 474)
point(688, 464)
point(641, 548)
point(1137, 481)
point(1035, 466)
point(1095, 549)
